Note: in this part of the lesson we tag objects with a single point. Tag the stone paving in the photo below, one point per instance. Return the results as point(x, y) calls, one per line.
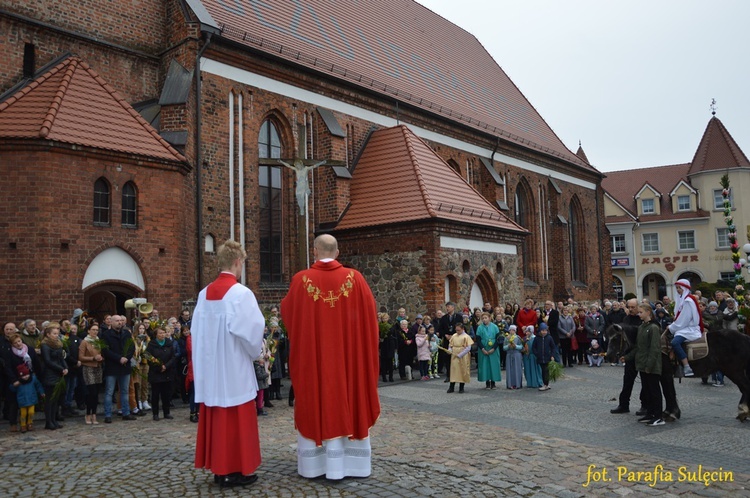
point(426, 443)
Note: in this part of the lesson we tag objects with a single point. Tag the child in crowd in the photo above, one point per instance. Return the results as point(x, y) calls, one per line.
point(26, 388)
point(595, 354)
point(423, 352)
point(434, 343)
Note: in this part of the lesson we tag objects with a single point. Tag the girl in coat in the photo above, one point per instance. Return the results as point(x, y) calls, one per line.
point(460, 347)
point(423, 352)
point(513, 361)
point(90, 356)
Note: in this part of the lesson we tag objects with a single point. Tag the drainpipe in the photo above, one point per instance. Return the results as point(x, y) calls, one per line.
point(599, 241)
point(198, 160)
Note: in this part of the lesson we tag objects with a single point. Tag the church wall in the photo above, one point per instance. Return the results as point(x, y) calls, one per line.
point(48, 236)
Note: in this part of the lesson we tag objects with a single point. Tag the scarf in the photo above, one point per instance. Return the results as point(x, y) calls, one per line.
point(23, 353)
point(162, 342)
point(53, 343)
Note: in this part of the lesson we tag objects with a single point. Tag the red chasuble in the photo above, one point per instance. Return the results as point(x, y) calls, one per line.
point(331, 319)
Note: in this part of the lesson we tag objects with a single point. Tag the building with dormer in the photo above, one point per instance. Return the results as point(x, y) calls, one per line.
point(667, 222)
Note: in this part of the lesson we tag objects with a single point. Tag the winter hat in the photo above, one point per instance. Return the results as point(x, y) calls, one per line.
point(22, 370)
point(543, 326)
point(419, 316)
point(713, 303)
point(594, 343)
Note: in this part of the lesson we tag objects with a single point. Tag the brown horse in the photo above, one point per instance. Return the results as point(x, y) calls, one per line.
point(728, 351)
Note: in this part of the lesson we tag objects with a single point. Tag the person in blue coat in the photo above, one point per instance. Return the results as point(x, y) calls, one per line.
point(28, 390)
point(531, 369)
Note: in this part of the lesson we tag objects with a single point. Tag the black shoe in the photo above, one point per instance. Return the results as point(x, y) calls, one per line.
point(194, 417)
point(59, 417)
point(129, 417)
point(168, 416)
point(233, 480)
point(446, 380)
point(385, 379)
point(140, 413)
point(390, 379)
point(107, 420)
point(620, 409)
point(156, 417)
point(268, 404)
point(50, 427)
point(641, 412)
point(461, 390)
point(451, 390)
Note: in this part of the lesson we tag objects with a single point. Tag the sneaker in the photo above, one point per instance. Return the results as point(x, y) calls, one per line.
point(542, 388)
point(425, 378)
point(146, 406)
point(719, 384)
point(646, 419)
point(687, 371)
point(656, 422)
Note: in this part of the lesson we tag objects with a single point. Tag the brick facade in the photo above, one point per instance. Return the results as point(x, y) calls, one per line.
point(132, 50)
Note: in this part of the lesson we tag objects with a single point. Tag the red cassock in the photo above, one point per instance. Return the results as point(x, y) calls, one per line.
point(331, 319)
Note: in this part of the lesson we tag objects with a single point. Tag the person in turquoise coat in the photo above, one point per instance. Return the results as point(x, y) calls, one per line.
point(531, 368)
point(489, 343)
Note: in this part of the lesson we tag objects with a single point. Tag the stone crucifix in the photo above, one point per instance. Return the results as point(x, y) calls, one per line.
point(301, 168)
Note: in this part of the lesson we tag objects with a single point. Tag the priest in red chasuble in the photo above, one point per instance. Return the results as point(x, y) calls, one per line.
point(332, 322)
point(227, 335)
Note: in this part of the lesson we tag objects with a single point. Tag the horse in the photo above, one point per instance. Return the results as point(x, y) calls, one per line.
point(728, 351)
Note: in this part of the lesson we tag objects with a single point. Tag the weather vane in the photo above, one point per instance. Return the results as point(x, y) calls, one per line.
point(713, 107)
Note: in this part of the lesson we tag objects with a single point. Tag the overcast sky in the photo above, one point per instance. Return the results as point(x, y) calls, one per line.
point(632, 80)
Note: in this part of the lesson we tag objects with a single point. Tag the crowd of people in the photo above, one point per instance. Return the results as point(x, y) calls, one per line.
point(523, 340)
point(67, 366)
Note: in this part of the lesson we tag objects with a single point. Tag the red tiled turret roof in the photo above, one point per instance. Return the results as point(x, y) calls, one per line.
point(717, 150)
point(71, 103)
point(394, 159)
point(398, 48)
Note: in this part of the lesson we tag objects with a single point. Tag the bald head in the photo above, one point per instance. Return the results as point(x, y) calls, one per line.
point(325, 246)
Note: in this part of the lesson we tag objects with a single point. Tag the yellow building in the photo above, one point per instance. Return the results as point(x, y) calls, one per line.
point(667, 222)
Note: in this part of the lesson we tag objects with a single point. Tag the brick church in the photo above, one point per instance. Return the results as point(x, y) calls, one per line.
point(134, 142)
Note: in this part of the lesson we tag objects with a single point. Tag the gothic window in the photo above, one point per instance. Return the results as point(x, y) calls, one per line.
point(577, 241)
point(269, 146)
point(129, 206)
point(101, 202)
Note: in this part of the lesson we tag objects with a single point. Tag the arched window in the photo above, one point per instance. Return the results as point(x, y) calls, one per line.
point(269, 146)
point(577, 242)
point(208, 245)
point(524, 215)
point(129, 206)
point(101, 202)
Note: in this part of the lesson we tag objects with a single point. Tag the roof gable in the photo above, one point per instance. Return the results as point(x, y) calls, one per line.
point(717, 150)
point(399, 178)
point(71, 103)
point(398, 48)
point(680, 183)
point(647, 186)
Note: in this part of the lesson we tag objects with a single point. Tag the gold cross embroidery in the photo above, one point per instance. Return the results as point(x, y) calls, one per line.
point(331, 299)
point(315, 293)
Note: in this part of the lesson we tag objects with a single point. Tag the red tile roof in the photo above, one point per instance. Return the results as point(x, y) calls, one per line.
point(624, 185)
point(382, 190)
point(71, 103)
point(394, 47)
point(717, 150)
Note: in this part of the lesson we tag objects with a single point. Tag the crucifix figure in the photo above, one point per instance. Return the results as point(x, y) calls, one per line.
point(301, 167)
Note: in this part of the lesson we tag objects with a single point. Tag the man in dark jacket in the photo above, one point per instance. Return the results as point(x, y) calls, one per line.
point(117, 355)
point(552, 320)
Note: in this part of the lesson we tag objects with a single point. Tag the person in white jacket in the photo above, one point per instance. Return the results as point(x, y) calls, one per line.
point(687, 325)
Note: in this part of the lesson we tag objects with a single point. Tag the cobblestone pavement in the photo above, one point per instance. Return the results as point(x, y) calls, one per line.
point(426, 443)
